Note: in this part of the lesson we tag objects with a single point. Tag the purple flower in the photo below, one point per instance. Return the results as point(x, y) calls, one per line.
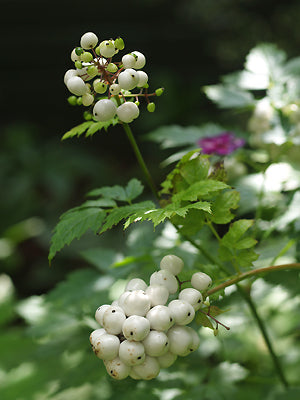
point(222, 144)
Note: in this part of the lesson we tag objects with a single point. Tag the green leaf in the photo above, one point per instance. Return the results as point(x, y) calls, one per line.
point(97, 126)
point(222, 205)
point(198, 189)
point(73, 225)
point(77, 130)
point(229, 96)
point(177, 136)
point(236, 231)
point(202, 319)
point(133, 189)
point(124, 212)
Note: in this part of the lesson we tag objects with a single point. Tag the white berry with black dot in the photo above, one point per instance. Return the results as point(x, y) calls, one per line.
point(136, 328)
point(192, 296)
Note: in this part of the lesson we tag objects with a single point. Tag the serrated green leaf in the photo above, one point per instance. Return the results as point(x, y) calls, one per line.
point(97, 126)
point(195, 170)
point(132, 190)
point(202, 319)
point(107, 203)
point(229, 96)
point(236, 231)
point(245, 243)
point(222, 205)
point(73, 225)
point(245, 258)
point(124, 212)
point(77, 130)
point(198, 189)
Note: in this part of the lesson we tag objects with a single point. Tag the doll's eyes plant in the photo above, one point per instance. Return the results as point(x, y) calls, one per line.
point(104, 85)
point(145, 330)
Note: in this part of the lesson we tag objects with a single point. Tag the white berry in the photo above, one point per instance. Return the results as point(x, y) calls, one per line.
point(136, 328)
point(164, 278)
point(115, 89)
point(201, 281)
point(113, 319)
point(76, 86)
point(136, 284)
point(156, 344)
point(94, 336)
point(107, 48)
point(128, 61)
point(158, 294)
point(128, 111)
point(74, 56)
point(140, 59)
point(132, 353)
point(143, 78)
point(104, 110)
point(171, 263)
point(117, 369)
point(136, 303)
point(107, 347)
point(69, 74)
point(167, 360)
point(99, 313)
point(160, 318)
point(149, 369)
point(180, 340)
point(192, 296)
point(128, 79)
point(182, 312)
point(88, 41)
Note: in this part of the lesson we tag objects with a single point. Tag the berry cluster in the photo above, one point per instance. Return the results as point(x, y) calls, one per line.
point(141, 334)
point(105, 86)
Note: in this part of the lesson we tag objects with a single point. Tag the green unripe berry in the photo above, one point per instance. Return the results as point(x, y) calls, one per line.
point(78, 64)
point(92, 71)
point(86, 57)
point(97, 50)
point(79, 51)
point(119, 43)
point(159, 91)
point(79, 101)
point(112, 68)
point(72, 100)
point(99, 87)
point(151, 107)
point(137, 103)
point(146, 86)
point(87, 116)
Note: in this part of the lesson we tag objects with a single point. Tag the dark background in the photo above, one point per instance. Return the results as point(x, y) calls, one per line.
point(188, 44)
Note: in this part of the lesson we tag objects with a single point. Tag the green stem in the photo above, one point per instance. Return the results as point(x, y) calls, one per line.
point(253, 272)
point(140, 159)
point(138, 155)
point(265, 335)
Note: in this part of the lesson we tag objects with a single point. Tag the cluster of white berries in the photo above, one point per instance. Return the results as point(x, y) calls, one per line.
point(141, 334)
point(106, 86)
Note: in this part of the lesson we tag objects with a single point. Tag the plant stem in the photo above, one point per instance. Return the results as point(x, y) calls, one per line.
point(264, 332)
point(253, 272)
point(140, 159)
point(138, 154)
